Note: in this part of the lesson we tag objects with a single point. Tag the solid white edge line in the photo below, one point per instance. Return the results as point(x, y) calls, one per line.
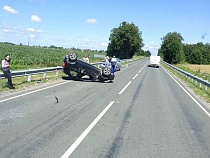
point(135, 76)
point(189, 95)
point(124, 88)
point(32, 92)
point(85, 133)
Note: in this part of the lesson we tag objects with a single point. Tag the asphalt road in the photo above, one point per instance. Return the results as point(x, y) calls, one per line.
point(144, 113)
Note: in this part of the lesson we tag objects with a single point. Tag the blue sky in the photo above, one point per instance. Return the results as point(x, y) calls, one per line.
point(87, 24)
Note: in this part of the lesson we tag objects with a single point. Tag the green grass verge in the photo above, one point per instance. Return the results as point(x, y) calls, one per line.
point(192, 84)
point(22, 83)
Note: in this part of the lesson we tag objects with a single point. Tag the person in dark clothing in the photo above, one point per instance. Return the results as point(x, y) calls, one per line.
point(6, 70)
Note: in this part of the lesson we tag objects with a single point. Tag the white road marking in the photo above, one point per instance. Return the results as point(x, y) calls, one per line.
point(135, 76)
point(85, 133)
point(32, 92)
point(189, 94)
point(124, 88)
point(139, 71)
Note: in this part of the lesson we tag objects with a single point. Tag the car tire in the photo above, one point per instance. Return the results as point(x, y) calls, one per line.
point(73, 57)
point(106, 71)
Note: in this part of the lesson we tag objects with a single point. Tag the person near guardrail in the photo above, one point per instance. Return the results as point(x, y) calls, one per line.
point(106, 63)
point(6, 70)
point(113, 63)
point(88, 59)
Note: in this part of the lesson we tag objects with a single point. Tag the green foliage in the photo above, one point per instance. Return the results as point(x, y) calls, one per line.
point(24, 57)
point(172, 48)
point(197, 53)
point(174, 52)
point(146, 53)
point(125, 41)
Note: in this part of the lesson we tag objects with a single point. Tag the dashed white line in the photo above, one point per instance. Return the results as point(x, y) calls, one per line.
point(124, 88)
point(32, 92)
point(189, 94)
point(139, 71)
point(85, 133)
point(135, 76)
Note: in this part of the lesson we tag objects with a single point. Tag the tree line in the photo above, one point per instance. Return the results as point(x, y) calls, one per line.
point(174, 51)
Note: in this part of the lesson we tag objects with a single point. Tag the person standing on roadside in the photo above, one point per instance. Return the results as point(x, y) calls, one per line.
point(113, 63)
point(88, 59)
point(6, 70)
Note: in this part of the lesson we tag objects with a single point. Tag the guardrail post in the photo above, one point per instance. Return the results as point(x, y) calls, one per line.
point(206, 88)
point(29, 77)
point(44, 75)
point(56, 73)
point(200, 85)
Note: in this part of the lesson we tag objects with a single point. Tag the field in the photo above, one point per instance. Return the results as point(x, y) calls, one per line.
point(202, 71)
point(199, 68)
point(24, 57)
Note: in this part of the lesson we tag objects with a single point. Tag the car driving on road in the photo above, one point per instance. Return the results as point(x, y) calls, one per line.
point(72, 63)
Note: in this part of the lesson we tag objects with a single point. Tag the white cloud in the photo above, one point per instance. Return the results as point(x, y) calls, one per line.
point(104, 44)
point(33, 30)
point(35, 18)
point(31, 36)
point(5, 30)
point(152, 47)
point(10, 10)
point(91, 21)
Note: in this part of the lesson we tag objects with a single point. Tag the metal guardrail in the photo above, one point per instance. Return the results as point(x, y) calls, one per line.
point(31, 72)
point(197, 79)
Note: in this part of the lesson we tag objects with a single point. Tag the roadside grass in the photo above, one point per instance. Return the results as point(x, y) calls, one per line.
point(205, 94)
point(202, 71)
point(21, 83)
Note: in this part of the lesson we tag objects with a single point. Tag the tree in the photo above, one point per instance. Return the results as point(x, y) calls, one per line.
point(172, 48)
point(197, 53)
point(125, 41)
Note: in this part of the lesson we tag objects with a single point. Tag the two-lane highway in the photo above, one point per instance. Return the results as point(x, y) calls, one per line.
point(143, 113)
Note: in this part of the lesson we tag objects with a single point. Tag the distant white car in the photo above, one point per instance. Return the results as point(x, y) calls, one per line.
point(154, 61)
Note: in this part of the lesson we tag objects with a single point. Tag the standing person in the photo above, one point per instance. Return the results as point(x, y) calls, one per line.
point(84, 58)
point(113, 63)
point(6, 70)
point(107, 63)
point(88, 59)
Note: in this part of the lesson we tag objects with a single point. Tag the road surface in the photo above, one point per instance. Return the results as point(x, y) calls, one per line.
point(144, 113)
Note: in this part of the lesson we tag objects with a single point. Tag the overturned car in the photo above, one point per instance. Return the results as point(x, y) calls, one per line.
point(72, 63)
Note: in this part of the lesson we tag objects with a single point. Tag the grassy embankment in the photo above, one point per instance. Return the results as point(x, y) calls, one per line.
point(202, 71)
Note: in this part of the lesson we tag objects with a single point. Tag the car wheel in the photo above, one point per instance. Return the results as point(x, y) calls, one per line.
point(72, 57)
point(106, 71)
